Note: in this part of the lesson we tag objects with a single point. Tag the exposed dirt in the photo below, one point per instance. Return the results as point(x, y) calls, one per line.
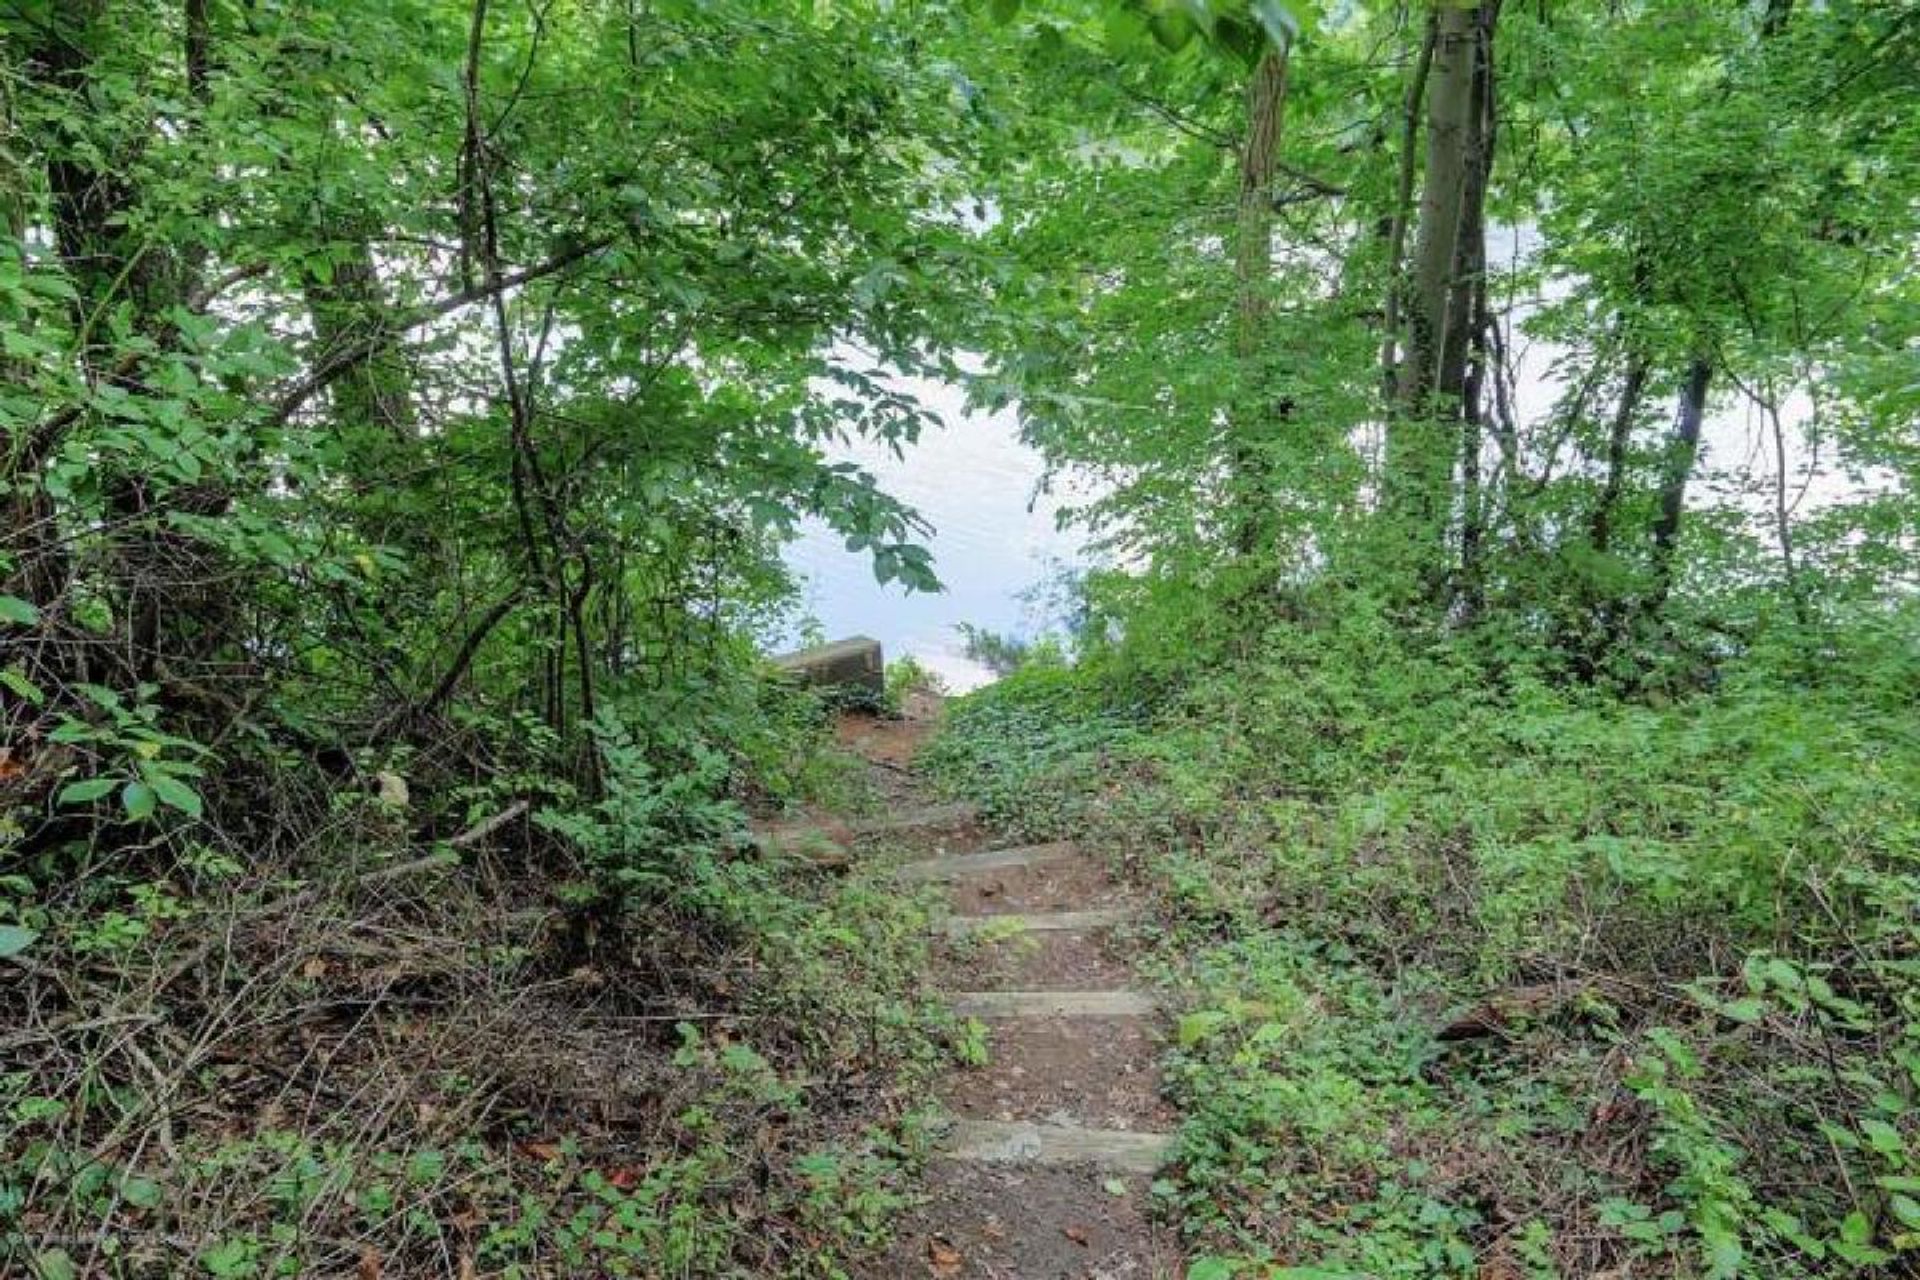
point(1080, 885)
point(1102, 1072)
point(994, 1223)
point(1070, 961)
point(1017, 1221)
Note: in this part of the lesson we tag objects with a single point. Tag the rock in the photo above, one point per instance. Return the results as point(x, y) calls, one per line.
point(854, 665)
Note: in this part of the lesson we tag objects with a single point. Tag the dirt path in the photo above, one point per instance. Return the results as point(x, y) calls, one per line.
point(1044, 1173)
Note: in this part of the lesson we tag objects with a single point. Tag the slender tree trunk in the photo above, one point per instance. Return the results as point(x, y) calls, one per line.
point(1682, 449)
point(352, 319)
point(1403, 204)
point(1423, 437)
point(1450, 104)
point(1791, 581)
point(1253, 277)
point(1619, 438)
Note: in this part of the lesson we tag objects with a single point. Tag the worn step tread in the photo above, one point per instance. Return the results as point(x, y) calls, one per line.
point(933, 815)
point(1021, 1142)
point(1044, 922)
point(1053, 1004)
point(963, 864)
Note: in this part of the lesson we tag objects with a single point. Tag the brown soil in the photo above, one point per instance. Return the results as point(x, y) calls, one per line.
point(1100, 1072)
point(1015, 1221)
point(1073, 961)
point(1079, 885)
point(994, 1223)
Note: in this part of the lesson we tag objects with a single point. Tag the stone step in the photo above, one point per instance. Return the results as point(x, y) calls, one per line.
point(1019, 1143)
point(1052, 1004)
point(928, 870)
point(933, 815)
point(1048, 922)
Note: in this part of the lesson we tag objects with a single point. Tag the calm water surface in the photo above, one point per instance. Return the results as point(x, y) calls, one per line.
point(994, 538)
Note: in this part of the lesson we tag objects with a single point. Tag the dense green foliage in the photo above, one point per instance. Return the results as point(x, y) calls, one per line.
point(402, 405)
point(1689, 930)
point(1500, 421)
point(1506, 416)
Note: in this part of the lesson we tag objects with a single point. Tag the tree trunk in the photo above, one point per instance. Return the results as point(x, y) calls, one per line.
point(1422, 443)
point(1682, 450)
point(1253, 276)
point(1403, 206)
point(1619, 437)
point(1450, 104)
point(353, 318)
point(112, 263)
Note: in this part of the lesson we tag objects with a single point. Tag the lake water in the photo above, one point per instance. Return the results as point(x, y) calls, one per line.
point(994, 538)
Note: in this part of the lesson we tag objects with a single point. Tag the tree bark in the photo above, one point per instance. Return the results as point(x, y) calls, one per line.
point(1423, 443)
point(1450, 103)
point(1403, 205)
point(1682, 449)
point(1253, 276)
point(1619, 437)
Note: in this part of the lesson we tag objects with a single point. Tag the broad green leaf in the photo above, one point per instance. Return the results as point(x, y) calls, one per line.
point(175, 793)
point(87, 791)
point(16, 680)
point(20, 612)
point(14, 939)
point(139, 801)
point(55, 1264)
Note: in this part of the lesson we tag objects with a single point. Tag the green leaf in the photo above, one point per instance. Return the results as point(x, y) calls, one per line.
point(14, 939)
point(1885, 1138)
point(141, 1193)
point(14, 609)
point(1173, 29)
point(16, 680)
point(1003, 11)
point(175, 793)
point(1198, 1025)
point(139, 800)
point(1212, 1267)
point(54, 1264)
point(86, 792)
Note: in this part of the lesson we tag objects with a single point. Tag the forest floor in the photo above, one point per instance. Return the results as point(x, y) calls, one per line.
point(1058, 1123)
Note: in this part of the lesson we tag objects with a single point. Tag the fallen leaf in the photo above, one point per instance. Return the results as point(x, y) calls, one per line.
point(313, 969)
point(540, 1150)
point(624, 1178)
point(1076, 1233)
point(943, 1257)
point(369, 1268)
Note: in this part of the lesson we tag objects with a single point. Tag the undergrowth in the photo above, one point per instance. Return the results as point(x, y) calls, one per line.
point(1485, 975)
point(606, 1037)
